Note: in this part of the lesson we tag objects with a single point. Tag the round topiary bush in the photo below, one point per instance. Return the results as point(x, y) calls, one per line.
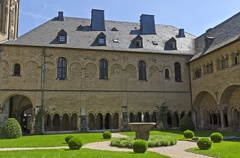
point(188, 134)
point(107, 135)
point(11, 129)
point(140, 146)
point(204, 143)
point(186, 123)
point(75, 143)
point(68, 138)
point(216, 137)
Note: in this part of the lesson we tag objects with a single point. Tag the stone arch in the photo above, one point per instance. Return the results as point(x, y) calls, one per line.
point(169, 119)
point(74, 120)
point(131, 117)
point(175, 119)
point(56, 122)
point(139, 117)
point(227, 94)
point(99, 121)
point(91, 121)
point(31, 72)
point(116, 70)
point(108, 121)
point(153, 71)
point(115, 121)
point(91, 71)
point(47, 122)
point(18, 106)
point(65, 122)
point(154, 117)
point(146, 117)
point(131, 71)
point(75, 71)
point(236, 118)
point(50, 70)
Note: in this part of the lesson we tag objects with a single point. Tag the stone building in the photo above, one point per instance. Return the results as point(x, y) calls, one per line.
point(96, 74)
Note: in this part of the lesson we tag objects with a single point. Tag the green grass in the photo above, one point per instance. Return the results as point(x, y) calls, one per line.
point(48, 140)
point(82, 153)
point(225, 149)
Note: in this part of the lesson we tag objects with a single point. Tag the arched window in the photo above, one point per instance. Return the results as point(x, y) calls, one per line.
point(103, 67)
point(142, 70)
point(167, 74)
point(177, 69)
point(62, 68)
point(17, 70)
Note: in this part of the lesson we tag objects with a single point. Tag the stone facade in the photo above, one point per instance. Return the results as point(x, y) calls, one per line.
point(86, 78)
point(216, 93)
point(84, 94)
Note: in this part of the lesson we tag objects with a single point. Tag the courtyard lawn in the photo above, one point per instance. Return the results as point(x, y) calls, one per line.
point(225, 149)
point(48, 140)
point(85, 153)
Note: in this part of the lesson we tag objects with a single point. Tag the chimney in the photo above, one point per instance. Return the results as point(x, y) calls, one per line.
point(181, 33)
point(147, 24)
point(60, 16)
point(98, 21)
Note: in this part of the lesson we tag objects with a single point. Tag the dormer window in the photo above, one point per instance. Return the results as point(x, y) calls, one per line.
point(171, 44)
point(138, 42)
point(208, 41)
point(102, 39)
point(62, 36)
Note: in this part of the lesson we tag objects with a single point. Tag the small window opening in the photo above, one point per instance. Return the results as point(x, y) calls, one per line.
point(138, 43)
point(62, 39)
point(101, 41)
point(17, 70)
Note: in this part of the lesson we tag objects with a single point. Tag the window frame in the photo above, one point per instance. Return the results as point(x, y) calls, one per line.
point(17, 70)
point(166, 74)
point(62, 68)
point(142, 71)
point(177, 71)
point(103, 69)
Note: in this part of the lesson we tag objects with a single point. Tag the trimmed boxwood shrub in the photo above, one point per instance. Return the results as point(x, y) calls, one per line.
point(188, 134)
point(107, 135)
point(204, 143)
point(216, 137)
point(11, 129)
point(140, 146)
point(186, 123)
point(75, 143)
point(68, 138)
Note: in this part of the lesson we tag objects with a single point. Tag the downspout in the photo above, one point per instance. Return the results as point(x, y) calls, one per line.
point(42, 90)
point(190, 84)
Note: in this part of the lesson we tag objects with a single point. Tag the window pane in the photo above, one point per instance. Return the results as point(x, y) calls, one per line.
point(16, 69)
point(177, 69)
point(101, 41)
point(142, 70)
point(103, 67)
point(62, 68)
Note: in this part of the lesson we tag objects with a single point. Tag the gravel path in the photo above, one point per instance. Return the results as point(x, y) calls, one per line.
point(176, 151)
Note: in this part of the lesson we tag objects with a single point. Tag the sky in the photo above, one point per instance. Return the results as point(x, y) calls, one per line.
point(194, 16)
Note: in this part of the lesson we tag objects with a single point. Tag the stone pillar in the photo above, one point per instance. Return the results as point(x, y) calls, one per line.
point(33, 121)
point(125, 119)
point(60, 123)
point(83, 120)
point(221, 108)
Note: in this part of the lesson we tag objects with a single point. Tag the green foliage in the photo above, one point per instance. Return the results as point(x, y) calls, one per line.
point(204, 143)
point(140, 146)
point(216, 137)
point(186, 123)
point(11, 129)
point(188, 134)
point(107, 135)
point(75, 143)
point(154, 141)
point(68, 138)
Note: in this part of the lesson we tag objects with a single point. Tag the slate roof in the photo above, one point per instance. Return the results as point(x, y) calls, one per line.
point(81, 36)
point(223, 34)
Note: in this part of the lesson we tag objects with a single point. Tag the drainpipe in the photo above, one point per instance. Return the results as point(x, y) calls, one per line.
point(191, 99)
point(42, 90)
